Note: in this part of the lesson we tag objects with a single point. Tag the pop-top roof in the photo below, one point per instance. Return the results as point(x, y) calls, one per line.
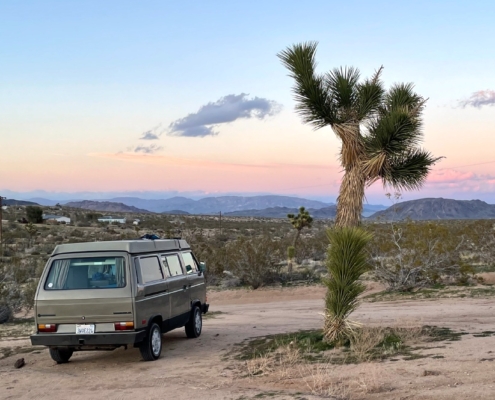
point(129, 246)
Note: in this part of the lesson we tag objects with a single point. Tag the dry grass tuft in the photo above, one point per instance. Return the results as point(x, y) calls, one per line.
point(371, 380)
point(321, 380)
point(286, 358)
point(364, 340)
point(258, 366)
point(410, 331)
point(281, 362)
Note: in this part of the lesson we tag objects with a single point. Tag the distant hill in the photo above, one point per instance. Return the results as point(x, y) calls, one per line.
point(104, 206)
point(12, 202)
point(281, 212)
point(176, 212)
point(272, 212)
point(214, 205)
point(437, 208)
point(370, 209)
point(44, 202)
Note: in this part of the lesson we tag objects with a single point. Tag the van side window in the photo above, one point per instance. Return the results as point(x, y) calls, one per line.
point(150, 269)
point(174, 265)
point(166, 269)
point(191, 267)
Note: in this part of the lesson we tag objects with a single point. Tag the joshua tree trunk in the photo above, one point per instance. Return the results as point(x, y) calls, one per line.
point(296, 237)
point(351, 194)
point(350, 200)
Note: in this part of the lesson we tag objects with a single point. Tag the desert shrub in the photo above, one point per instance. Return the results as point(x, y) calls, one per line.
point(34, 214)
point(93, 216)
point(46, 248)
point(411, 255)
point(255, 261)
point(12, 297)
point(77, 233)
point(82, 224)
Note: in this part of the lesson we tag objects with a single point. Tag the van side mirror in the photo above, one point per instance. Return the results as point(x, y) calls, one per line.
point(202, 266)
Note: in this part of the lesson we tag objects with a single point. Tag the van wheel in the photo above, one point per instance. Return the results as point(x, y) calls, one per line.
point(195, 323)
point(61, 356)
point(151, 347)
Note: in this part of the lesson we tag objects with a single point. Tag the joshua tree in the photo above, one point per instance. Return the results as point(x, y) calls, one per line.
point(380, 130)
point(299, 222)
point(32, 231)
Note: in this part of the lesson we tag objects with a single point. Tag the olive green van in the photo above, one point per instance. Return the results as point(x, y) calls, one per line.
point(104, 295)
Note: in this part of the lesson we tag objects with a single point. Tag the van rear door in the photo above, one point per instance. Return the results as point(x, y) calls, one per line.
point(85, 290)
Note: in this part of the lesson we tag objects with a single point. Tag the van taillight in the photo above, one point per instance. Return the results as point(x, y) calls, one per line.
point(47, 327)
point(124, 326)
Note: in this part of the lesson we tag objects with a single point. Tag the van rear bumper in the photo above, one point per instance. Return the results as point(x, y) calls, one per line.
point(98, 339)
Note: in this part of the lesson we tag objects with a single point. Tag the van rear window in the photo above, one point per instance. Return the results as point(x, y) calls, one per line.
point(86, 273)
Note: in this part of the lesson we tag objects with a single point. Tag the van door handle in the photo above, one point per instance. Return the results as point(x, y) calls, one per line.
point(184, 287)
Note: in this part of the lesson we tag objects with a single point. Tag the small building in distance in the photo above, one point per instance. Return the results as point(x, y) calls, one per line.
point(56, 218)
point(111, 219)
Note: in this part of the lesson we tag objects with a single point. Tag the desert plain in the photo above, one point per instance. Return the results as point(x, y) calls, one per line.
point(208, 368)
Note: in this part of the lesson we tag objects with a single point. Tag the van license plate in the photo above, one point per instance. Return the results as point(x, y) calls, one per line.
point(85, 329)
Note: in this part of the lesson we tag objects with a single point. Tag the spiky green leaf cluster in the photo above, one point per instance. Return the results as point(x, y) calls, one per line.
point(389, 121)
point(346, 262)
point(302, 220)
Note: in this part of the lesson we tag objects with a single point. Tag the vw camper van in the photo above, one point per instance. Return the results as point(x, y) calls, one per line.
point(104, 295)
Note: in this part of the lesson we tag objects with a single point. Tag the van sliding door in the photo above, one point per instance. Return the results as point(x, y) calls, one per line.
point(178, 289)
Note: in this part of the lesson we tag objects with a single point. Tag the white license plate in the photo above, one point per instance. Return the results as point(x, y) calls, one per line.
point(85, 329)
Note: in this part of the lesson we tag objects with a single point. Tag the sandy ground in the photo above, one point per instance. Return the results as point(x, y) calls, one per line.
point(192, 368)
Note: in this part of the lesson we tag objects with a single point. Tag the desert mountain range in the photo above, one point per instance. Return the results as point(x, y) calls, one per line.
point(279, 206)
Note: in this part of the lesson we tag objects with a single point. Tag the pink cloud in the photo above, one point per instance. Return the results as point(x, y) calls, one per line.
point(479, 99)
point(452, 180)
point(449, 175)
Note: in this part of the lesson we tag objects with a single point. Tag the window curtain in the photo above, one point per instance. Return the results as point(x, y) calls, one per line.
point(60, 274)
point(119, 272)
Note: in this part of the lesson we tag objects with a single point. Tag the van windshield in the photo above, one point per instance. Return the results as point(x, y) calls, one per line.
point(86, 273)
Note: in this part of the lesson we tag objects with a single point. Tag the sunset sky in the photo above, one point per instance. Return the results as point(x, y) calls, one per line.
point(188, 97)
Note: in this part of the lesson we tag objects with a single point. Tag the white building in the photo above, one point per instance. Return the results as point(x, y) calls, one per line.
point(58, 218)
point(110, 219)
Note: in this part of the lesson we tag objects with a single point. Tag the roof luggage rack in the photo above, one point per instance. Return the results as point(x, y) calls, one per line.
point(150, 236)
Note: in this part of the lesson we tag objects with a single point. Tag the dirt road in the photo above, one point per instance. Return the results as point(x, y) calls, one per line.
point(200, 368)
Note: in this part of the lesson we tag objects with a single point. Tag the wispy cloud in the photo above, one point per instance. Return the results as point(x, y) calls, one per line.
point(150, 149)
point(153, 133)
point(226, 109)
point(450, 179)
point(479, 99)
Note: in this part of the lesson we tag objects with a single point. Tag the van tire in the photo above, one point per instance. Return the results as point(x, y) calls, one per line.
point(151, 346)
point(61, 356)
point(195, 323)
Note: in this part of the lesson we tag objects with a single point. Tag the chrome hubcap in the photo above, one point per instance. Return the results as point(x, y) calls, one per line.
point(155, 342)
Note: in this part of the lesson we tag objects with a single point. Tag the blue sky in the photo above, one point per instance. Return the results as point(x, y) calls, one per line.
point(81, 82)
